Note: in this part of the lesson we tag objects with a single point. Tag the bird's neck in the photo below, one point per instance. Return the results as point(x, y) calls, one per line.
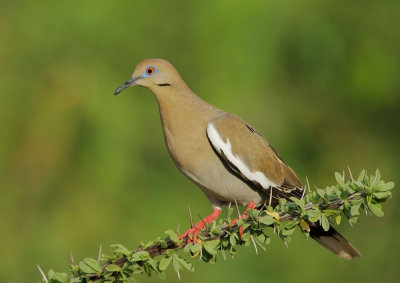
point(184, 116)
point(182, 107)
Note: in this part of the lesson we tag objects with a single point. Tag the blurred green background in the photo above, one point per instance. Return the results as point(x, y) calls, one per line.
point(80, 167)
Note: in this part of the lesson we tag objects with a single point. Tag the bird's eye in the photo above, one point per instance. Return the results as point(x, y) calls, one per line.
point(150, 70)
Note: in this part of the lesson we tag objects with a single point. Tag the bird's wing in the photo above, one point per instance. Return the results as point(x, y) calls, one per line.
point(248, 154)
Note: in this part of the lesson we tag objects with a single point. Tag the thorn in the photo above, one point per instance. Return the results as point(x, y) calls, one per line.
point(44, 278)
point(308, 185)
point(343, 175)
point(254, 243)
point(237, 207)
point(99, 256)
point(201, 254)
point(227, 213)
point(285, 243)
point(376, 176)
point(270, 196)
point(366, 210)
point(304, 193)
point(71, 258)
point(223, 254)
point(179, 275)
point(178, 228)
point(350, 223)
point(351, 175)
point(190, 217)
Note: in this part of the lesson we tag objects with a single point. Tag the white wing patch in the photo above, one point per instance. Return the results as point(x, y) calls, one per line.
point(220, 146)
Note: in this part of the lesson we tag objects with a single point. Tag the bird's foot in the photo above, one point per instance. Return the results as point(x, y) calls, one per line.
point(251, 205)
point(193, 232)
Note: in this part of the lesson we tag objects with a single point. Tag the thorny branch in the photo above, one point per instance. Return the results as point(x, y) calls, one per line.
point(158, 250)
point(347, 198)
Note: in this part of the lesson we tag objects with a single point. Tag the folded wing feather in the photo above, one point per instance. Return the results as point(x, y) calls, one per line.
point(249, 155)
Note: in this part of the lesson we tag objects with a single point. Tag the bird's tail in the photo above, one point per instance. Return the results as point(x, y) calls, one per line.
point(333, 241)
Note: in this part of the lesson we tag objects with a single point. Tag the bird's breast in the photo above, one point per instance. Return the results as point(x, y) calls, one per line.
point(195, 158)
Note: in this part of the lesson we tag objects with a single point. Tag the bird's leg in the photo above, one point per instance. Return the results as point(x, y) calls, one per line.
point(196, 229)
point(251, 205)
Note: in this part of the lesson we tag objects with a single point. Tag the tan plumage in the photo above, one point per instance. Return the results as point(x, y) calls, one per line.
point(222, 154)
point(257, 155)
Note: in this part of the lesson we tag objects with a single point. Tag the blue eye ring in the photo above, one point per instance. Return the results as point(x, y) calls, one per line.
point(150, 71)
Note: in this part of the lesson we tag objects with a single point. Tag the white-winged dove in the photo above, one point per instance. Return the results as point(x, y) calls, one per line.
point(222, 154)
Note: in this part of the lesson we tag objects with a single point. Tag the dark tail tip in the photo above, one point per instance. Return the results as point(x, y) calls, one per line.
point(334, 242)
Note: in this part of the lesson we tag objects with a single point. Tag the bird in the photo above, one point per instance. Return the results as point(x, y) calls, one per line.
point(222, 154)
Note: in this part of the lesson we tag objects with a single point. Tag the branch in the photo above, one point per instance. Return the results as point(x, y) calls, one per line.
point(347, 198)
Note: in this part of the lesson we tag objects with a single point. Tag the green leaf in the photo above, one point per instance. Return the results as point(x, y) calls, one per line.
point(324, 222)
point(210, 247)
point(254, 213)
point(375, 209)
point(313, 215)
point(185, 263)
point(354, 219)
point(288, 232)
point(361, 176)
point(321, 193)
point(121, 249)
point(267, 220)
point(58, 276)
point(338, 219)
point(298, 202)
point(149, 244)
point(232, 239)
point(164, 262)
point(262, 241)
point(291, 224)
point(175, 263)
point(113, 268)
point(355, 210)
point(330, 212)
point(173, 236)
point(313, 212)
point(216, 230)
point(161, 275)
point(194, 248)
point(89, 265)
point(383, 187)
point(140, 256)
point(382, 195)
point(358, 184)
point(377, 177)
point(339, 179)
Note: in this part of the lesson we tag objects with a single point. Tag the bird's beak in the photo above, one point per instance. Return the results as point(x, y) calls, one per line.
point(126, 84)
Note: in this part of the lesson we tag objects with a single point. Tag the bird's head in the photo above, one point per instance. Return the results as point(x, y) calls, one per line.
point(153, 74)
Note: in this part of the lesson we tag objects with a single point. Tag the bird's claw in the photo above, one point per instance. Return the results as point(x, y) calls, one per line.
point(192, 233)
point(251, 205)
